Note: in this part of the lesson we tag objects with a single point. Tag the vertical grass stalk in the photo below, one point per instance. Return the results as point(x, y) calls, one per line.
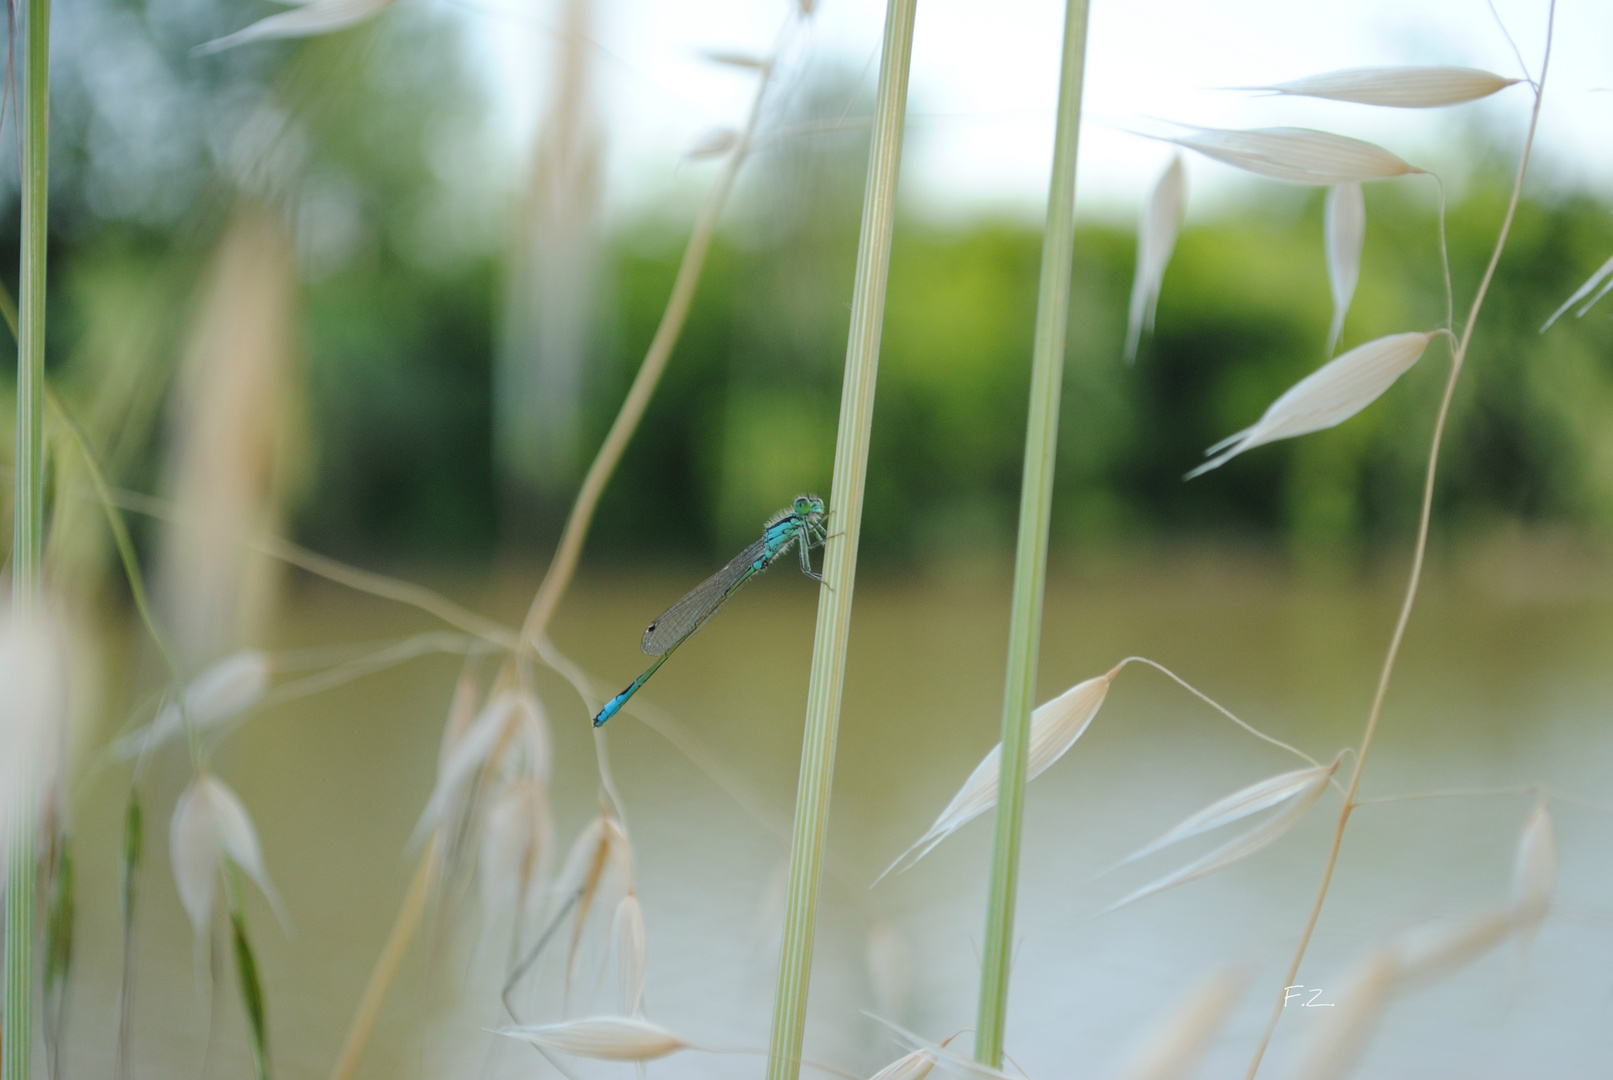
point(28, 520)
point(840, 550)
point(1030, 562)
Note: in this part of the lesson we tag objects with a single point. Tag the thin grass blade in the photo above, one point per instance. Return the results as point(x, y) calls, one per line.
point(1346, 229)
point(1241, 848)
point(1397, 87)
point(1156, 239)
point(1243, 803)
point(252, 999)
point(132, 854)
point(1328, 396)
point(1298, 155)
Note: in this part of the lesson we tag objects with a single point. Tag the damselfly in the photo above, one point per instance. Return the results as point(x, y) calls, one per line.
point(800, 525)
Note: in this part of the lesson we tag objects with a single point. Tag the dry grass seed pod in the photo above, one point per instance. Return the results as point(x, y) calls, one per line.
point(603, 1038)
point(1299, 155)
point(1398, 87)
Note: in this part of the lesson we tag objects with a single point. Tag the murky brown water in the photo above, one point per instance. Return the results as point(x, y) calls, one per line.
point(1505, 681)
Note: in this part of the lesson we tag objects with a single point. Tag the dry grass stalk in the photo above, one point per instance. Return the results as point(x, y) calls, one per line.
point(1398, 87)
point(209, 825)
point(1175, 1049)
point(1345, 229)
point(1328, 396)
point(1299, 155)
point(222, 691)
point(1156, 239)
point(1055, 727)
point(603, 1038)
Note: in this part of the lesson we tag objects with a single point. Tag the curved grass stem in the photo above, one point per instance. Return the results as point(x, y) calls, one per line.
point(1419, 555)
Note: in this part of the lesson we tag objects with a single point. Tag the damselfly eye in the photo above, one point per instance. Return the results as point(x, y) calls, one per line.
point(802, 504)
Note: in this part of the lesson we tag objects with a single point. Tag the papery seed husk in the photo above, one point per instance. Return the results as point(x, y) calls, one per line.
point(222, 691)
point(1176, 1047)
point(1345, 229)
point(517, 844)
point(1432, 952)
point(1299, 155)
point(1327, 396)
point(235, 832)
point(1156, 239)
point(628, 932)
point(1357, 1008)
point(914, 1066)
point(193, 850)
point(1604, 271)
point(307, 20)
point(1398, 87)
point(603, 1038)
point(1261, 795)
point(1242, 847)
point(712, 143)
point(1055, 727)
point(1535, 874)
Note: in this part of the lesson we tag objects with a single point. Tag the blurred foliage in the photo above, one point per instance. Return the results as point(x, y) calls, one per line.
point(368, 143)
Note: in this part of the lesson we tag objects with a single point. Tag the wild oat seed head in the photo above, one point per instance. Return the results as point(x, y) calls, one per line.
point(913, 1066)
point(1175, 1048)
point(1327, 396)
point(210, 823)
point(1156, 239)
point(221, 692)
point(1345, 230)
point(628, 933)
point(1055, 727)
point(1398, 87)
point(603, 1038)
point(1299, 155)
point(306, 20)
point(1358, 1007)
point(517, 845)
point(1432, 952)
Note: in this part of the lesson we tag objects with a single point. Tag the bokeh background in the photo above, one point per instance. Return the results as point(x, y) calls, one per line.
point(382, 292)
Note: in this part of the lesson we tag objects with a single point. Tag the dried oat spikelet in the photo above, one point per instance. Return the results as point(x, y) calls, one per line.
point(1300, 789)
point(305, 20)
point(1055, 727)
point(511, 723)
point(223, 691)
point(1358, 1007)
point(1327, 396)
point(1431, 952)
point(596, 875)
point(33, 718)
point(628, 932)
point(1345, 230)
point(603, 1038)
point(1535, 875)
point(1605, 272)
point(913, 1066)
point(210, 824)
point(1176, 1047)
point(1156, 239)
point(517, 845)
point(1397, 87)
point(1299, 155)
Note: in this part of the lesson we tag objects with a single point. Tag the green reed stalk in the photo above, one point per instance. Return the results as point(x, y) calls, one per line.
point(840, 550)
point(1030, 561)
point(28, 515)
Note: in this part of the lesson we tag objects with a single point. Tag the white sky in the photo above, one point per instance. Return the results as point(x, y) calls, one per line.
point(985, 76)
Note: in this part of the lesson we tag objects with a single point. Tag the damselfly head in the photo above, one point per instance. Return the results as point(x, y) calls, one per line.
point(806, 505)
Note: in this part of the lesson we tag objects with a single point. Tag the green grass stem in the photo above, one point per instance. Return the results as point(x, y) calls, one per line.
point(1030, 561)
point(28, 517)
point(840, 550)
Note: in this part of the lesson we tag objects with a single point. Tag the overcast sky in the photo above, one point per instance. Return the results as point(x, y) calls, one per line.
point(985, 77)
